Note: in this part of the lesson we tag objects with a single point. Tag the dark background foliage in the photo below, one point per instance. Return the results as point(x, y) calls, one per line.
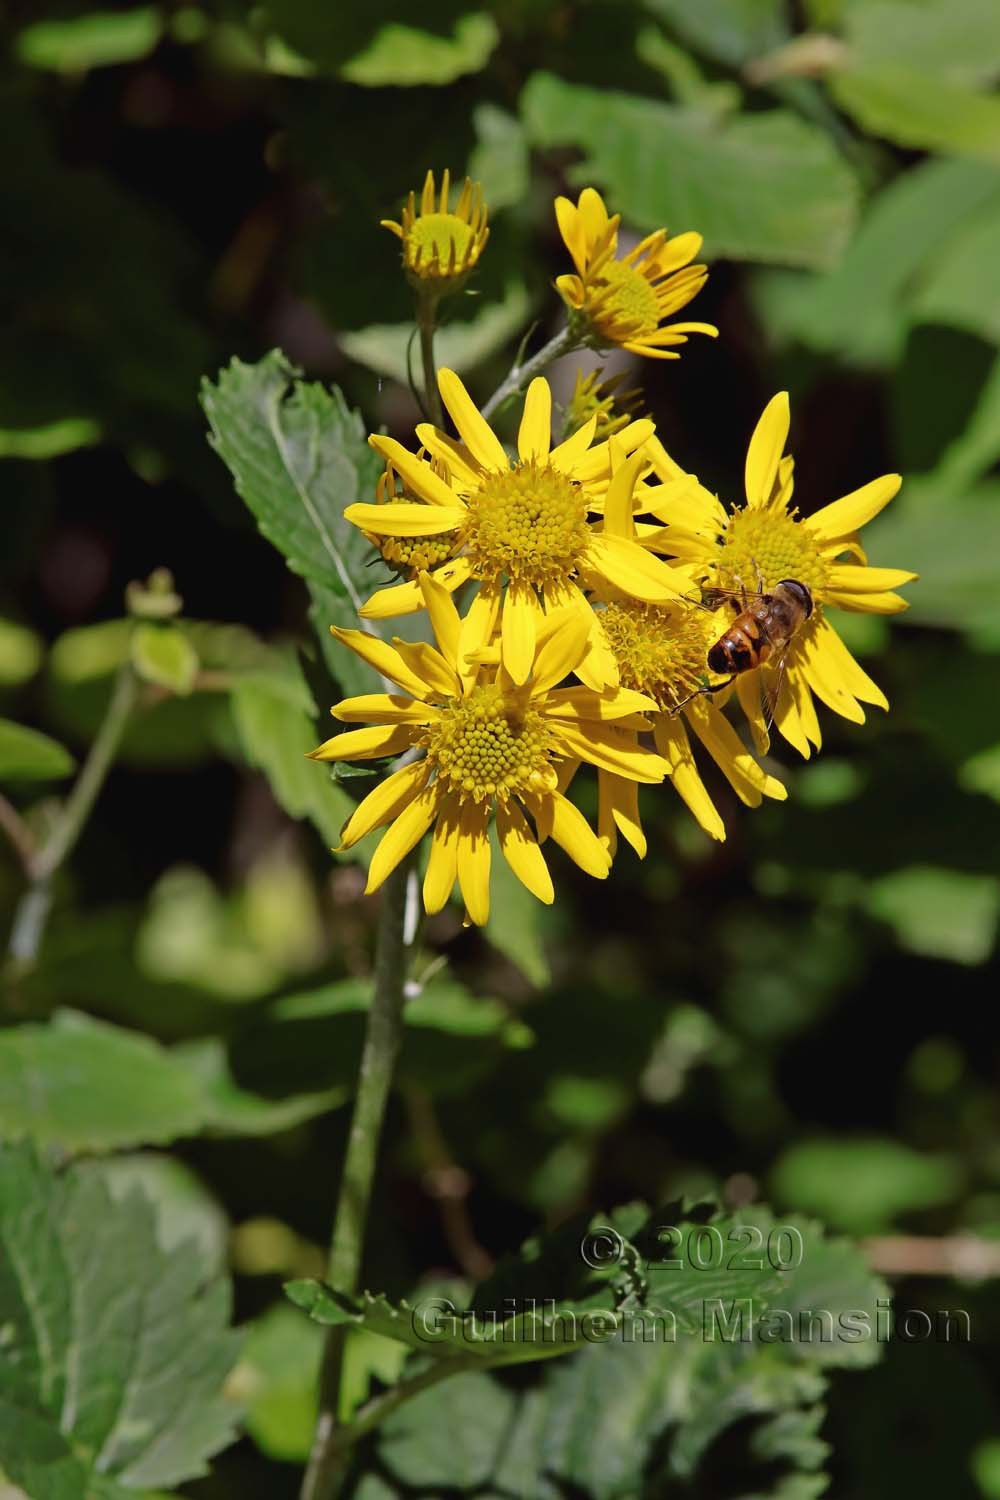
point(804, 1012)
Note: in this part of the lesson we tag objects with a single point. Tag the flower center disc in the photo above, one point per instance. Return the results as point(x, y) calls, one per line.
point(491, 745)
point(432, 236)
point(762, 547)
point(661, 651)
point(625, 300)
point(530, 523)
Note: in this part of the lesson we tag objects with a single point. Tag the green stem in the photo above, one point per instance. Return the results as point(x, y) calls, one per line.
point(427, 306)
point(33, 909)
point(378, 1059)
point(381, 1406)
point(519, 375)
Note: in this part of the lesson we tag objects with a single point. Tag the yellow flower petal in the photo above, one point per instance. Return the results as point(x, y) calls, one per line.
point(619, 801)
point(766, 448)
point(574, 235)
point(824, 642)
point(415, 472)
point(384, 803)
point(365, 744)
point(457, 459)
point(519, 629)
point(626, 566)
point(793, 706)
point(563, 636)
point(477, 628)
point(383, 708)
point(406, 598)
point(520, 849)
point(841, 518)
point(581, 704)
point(534, 437)
point(397, 518)
point(673, 744)
point(430, 666)
point(475, 432)
point(474, 862)
point(612, 749)
point(748, 691)
point(869, 604)
point(444, 617)
point(386, 661)
point(749, 781)
point(618, 503)
point(848, 578)
point(567, 455)
point(557, 818)
point(442, 866)
point(402, 836)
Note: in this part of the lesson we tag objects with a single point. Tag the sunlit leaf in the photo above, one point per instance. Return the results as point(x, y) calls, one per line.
point(28, 755)
point(72, 44)
point(766, 187)
point(163, 654)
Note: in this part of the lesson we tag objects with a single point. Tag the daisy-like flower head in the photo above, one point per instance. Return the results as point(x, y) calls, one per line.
point(524, 529)
point(766, 542)
point(613, 406)
point(627, 301)
point(407, 555)
point(489, 747)
point(441, 245)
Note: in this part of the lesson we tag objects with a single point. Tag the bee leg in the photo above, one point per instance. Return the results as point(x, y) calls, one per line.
point(703, 692)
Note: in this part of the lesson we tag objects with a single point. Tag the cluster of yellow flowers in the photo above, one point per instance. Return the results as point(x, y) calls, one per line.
point(596, 576)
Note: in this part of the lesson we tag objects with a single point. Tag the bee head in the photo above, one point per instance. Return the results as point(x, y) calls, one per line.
point(799, 592)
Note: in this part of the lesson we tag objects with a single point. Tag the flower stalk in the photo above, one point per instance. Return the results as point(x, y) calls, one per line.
point(519, 375)
point(397, 923)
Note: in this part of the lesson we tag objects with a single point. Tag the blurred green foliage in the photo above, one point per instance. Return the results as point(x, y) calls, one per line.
point(804, 1012)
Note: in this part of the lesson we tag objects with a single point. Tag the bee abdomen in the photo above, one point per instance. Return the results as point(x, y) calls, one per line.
point(737, 652)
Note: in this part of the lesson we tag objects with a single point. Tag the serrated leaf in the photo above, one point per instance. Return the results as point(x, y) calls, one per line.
point(164, 655)
point(28, 755)
point(298, 456)
point(766, 187)
point(115, 1354)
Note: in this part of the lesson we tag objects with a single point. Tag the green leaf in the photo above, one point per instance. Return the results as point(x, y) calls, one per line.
point(500, 159)
point(50, 440)
point(86, 1085)
point(21, 652)
point(958, 289)
point(298, 456)
point(275, 739)
point(920, 110)
point(28, 755)
point(765, 187)
point(863, 1185)
point(958, 40)
point(728, 31)
point(863, 308)
point(164, 655)
point(115, 1352)
point(402, 56)
point(457, 346)
point(186, 1211)
point(277, 1378)
point(74, 44)
point(936, 913)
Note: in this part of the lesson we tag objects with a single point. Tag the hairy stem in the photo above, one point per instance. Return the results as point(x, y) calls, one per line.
point(427, 306)
point(378, 1059)
point(33, 909)
point(520, 374)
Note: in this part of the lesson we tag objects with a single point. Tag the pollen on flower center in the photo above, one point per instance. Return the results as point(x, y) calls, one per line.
point(491, 744)
point(529, 522)
point(762, 547)
point(623, 300)
point(660, 650)
point(432, 235)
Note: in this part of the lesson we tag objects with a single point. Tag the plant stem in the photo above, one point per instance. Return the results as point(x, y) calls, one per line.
point(427, 306)
point(519, 375)
point(17, 831)
point(379, 1407)
point(378, 1059)
point(33, 909)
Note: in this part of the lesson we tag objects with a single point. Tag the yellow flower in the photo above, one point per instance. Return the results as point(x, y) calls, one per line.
point(521, 528)
point(441, 247)
point(660, 651)
point(626, 301)
point(765, 542)
point(604, 399)
point(488, 747)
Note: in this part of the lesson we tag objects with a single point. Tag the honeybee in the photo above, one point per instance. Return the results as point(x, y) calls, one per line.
point(761, 633)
